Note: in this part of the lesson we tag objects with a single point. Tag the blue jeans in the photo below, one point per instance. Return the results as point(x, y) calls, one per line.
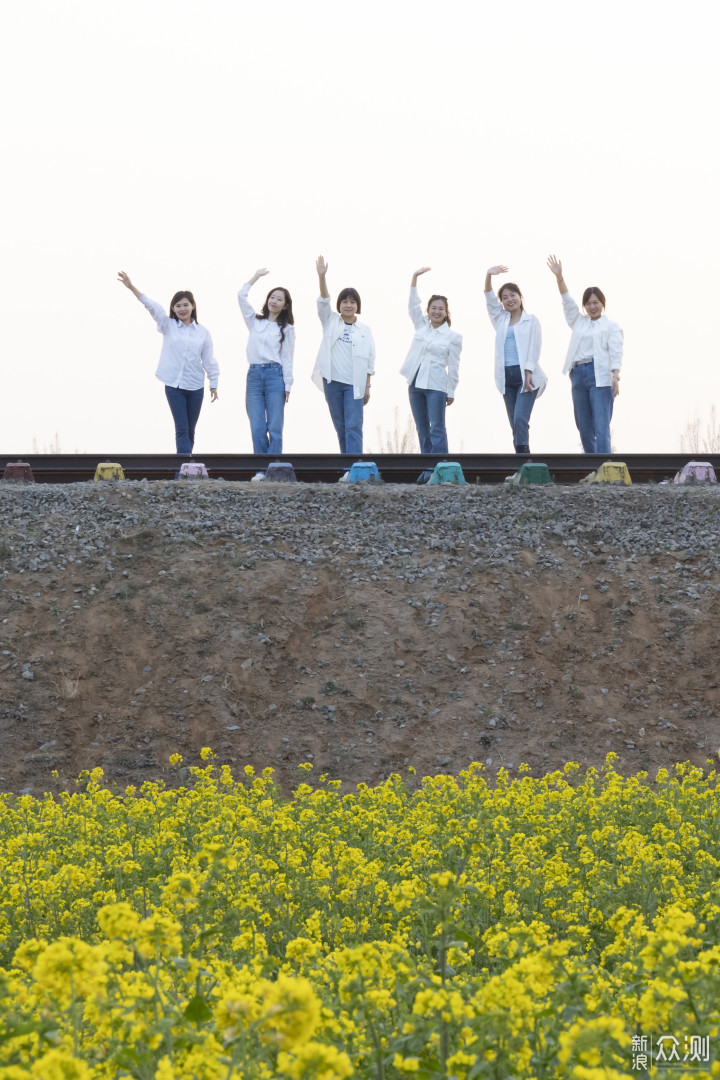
point(518, 405)
point(593, 407)
point(428, 409)
point(265, 404)
point(185, 406)
point(346, 413)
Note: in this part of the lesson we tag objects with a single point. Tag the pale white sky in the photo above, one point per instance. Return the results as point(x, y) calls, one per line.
point(190, 143)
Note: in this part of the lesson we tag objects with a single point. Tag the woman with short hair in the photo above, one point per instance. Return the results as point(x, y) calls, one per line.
point(593, 360)
point(345, 362)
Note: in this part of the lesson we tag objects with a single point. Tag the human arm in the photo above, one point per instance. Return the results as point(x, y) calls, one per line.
point(453, 366)
point(287, 354)
point(555, 266)
point(491, 273)
point(415, 306)
point(248, 311)
point(370, 368)
point(158, 313)
point(532, 359)
point(212, 368)
point(615, 348)
point(322, 268)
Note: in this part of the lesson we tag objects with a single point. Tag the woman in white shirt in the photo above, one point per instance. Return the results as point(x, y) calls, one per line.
point(431, 368)
point(270, 350)
point(345, 362)
point(594, 359)
point(185, 360)
point(518, 338)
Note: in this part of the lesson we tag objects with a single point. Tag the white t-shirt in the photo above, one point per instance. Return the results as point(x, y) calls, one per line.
point(341, 358)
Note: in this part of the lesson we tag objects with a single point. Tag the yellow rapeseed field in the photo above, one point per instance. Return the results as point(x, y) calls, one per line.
point(563, 927)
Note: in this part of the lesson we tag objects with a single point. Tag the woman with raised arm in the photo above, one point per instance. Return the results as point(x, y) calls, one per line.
point(431, 367)
point(270, 351)
point(186, 358)
point(345, 363)
point(594, 359)
point(518, 375)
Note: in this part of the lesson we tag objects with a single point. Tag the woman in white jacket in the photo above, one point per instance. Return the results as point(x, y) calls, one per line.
point(518, 338)
point(345, 363)
point(593, 360)
point(431, 368)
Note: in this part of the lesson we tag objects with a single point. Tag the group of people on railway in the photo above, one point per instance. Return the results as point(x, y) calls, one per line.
point(346, 362)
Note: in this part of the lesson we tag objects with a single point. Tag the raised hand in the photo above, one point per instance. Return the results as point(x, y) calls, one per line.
point(261, 273)
point(422, 270)
point(321, 266)
point(497, 270)
point(555, 265)
point(125, 278)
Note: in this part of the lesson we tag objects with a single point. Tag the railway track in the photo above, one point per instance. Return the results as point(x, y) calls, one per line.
point(328, 468)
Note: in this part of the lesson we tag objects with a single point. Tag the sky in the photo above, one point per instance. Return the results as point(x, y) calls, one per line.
point(190, 144)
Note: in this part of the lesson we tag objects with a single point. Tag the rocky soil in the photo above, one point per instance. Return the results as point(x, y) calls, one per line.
point(364, 629)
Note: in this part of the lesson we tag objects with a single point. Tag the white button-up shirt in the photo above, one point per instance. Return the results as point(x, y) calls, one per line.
point(528, 338)
point(264, 345)
point(434, 354)
point(607, 341)
point(363, 349)
point(187, 351)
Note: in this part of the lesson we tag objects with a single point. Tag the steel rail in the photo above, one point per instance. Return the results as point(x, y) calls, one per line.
point(328, 468)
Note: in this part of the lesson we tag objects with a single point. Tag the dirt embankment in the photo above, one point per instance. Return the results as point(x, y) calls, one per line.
point(362, 630)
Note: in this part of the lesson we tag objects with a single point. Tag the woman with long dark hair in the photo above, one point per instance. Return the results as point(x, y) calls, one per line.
point(270, 350)
point(593, 361)
point(518, 375)
point(431, 368)
point(186, 358)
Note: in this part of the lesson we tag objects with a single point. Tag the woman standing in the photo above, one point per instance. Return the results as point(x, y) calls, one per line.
point(345, 363)
point(431, 368)
point(270, 351)
point(518, 338)
point(594, 359)
point(186, 357)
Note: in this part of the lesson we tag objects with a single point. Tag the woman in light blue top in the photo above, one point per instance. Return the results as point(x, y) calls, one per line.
point(518, 339)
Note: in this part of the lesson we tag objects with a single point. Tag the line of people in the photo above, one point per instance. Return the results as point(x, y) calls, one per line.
point(345, 362)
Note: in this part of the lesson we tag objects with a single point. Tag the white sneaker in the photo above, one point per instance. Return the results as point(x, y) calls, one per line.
point(345, 478)
point(257, 478)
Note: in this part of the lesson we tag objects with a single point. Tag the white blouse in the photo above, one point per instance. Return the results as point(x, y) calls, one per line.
point(434, 357)
point(187, 351)
point(264, 345)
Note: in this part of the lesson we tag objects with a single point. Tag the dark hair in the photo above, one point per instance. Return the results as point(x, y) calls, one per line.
point(184, 294)
point(285, 318)
point(437, 296)
point(593, 290)
point(349, 294)
point(515, 288)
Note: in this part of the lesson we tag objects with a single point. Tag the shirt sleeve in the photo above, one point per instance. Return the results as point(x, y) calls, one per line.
point(323, 308)
point(415, 309)
point(615, 347)
point(494, 307)
point(248, 311)
point(534, 345)
point(209, 362)
point(158, 313)
point(454, 364)
point(287, 353)
point(371, 357)
point(570, 309)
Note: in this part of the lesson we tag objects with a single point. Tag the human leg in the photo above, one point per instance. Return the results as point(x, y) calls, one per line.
point(178, 406)
point(255, 407)
point(437, 411)
point(521, 426)
point(275, 407)
point(353, 409)
point(601, 406)
point(419, 409)
point(582, 379)
point(513, 383)
point(194, 405)
point(334, 398)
